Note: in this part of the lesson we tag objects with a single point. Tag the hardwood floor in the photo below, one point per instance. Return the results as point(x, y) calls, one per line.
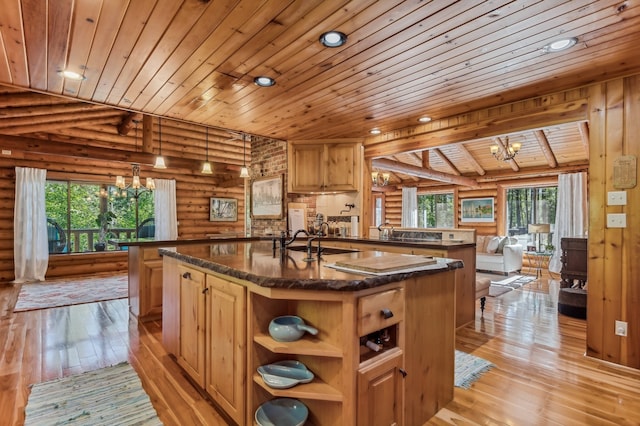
point(541, 375)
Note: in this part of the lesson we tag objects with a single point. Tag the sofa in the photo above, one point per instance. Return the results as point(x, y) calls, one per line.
point(498, 254)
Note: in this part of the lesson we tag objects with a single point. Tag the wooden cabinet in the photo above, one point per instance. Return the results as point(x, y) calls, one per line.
point(324, 167)
point(145, 283)
point(226, 345)
point(574, 261)
point(380, 395)
point(212, 348)
point(191, 355)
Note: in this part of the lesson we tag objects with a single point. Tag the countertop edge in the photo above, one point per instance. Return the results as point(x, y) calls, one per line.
point(356, 284)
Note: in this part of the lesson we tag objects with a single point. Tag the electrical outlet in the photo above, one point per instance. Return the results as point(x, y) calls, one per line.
point(616, 220)
point(621, 328)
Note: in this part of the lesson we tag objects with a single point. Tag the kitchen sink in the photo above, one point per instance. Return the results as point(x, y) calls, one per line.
point(325, 250)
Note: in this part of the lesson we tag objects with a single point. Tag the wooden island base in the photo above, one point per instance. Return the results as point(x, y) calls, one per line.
point(216, 325)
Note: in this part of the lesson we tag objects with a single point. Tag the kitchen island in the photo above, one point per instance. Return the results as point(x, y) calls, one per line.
point(219, 298)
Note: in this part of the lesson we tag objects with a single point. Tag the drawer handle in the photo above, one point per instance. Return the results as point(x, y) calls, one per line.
point(186, 275)
point(403, 372)
point(386, 313)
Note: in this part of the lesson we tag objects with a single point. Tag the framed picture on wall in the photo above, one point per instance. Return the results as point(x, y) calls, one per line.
point(267, 198)
point(223, 210)
point(477, 210)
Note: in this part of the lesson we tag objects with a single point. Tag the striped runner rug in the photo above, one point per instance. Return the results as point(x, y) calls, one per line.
point(468, 368)
point(108, 396)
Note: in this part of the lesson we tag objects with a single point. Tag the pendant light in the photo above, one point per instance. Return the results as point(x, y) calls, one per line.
point(206, 167)
point(244, 172)
point(160, 159)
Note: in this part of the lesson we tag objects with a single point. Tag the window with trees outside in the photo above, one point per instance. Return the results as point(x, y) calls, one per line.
point(73, 210)
point(528, 206)
point(435, 210)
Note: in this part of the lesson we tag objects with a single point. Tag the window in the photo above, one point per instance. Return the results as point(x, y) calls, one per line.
point(73, 207)
point(527, 206)
point(435, 210)
point(378, 209)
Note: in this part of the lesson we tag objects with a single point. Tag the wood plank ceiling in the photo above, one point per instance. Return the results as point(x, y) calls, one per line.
point(194, 61)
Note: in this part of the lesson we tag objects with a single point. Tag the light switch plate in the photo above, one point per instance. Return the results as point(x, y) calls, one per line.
point(617, 198)
point(616, 220)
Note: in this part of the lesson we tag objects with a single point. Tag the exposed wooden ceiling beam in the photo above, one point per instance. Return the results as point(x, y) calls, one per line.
point(533, 172)
point(471, 159)
point(57, 128)
point(425, 159)
point(546, 148)
point(503, 147)
point(446, 160)
point(583, 127)
point(412, 170)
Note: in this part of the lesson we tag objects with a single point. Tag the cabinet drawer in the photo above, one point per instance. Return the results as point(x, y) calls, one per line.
point(371, 310)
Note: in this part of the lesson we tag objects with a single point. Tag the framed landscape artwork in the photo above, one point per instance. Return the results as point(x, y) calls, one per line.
point(223, 210)
point(477, 210)
point(266, 198)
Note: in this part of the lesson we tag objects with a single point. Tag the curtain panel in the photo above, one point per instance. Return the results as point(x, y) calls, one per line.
point(571, 213)
point(409, 207)
point(166, 217)
point(30, 238)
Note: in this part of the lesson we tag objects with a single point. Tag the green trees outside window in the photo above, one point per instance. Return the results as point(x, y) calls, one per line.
point(527, 206)
point(435, 210)
point(75, 206)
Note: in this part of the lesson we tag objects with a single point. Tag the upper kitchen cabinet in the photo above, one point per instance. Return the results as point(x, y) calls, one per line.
point(323, 167)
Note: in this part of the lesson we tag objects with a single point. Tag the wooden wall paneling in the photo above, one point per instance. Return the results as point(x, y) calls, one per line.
point(614, 248)
point(630, 355)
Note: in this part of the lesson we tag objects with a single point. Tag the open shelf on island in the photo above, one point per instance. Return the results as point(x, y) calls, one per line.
point(304, 346)
point(316, 389)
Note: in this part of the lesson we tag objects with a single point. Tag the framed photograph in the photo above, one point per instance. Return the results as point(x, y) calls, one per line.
point(223, 210)
point(477, 210)
point(266, 198)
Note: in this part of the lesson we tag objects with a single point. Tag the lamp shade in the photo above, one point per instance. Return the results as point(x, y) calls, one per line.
point(539, 228)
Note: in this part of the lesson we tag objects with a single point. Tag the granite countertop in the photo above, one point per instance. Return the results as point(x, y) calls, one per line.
point(416, 243)
point(257, 262)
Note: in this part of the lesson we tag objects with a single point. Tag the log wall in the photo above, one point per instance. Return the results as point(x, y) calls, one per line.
point(613, 109)
point(76, 160)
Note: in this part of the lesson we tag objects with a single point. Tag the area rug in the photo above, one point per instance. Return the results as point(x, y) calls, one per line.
point(501, 287)
point(51, 294)
point(108, 396)
point(468, 368)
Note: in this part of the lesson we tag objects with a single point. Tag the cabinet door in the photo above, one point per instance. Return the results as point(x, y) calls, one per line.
point(226, 345)
point(191, 355)
point(306, 168)
point(380, 392)
point(342, 171)
point(151, 294)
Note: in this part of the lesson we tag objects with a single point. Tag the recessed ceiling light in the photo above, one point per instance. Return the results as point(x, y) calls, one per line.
point(71, 75)
point(375, 131)
point(424, 119)
point(333, 39)
point(264, 81)
point(561, 44)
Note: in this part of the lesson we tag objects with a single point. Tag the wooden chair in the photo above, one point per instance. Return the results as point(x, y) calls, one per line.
point(147, 229)
point(482, 291)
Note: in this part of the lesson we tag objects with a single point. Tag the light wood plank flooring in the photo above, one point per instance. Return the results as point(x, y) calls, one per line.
point(541, 376)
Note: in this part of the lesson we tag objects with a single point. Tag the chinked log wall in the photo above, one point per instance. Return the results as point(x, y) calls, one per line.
point(99, 161)
point(612, 110)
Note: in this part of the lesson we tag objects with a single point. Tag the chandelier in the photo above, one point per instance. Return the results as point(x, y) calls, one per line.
point(380, 179)
point(506, 151)
point(135, 184)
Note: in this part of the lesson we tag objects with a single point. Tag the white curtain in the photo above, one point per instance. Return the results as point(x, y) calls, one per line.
point(30, 238)
point(571, 213)
point(166, 218)
point(409, 207)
